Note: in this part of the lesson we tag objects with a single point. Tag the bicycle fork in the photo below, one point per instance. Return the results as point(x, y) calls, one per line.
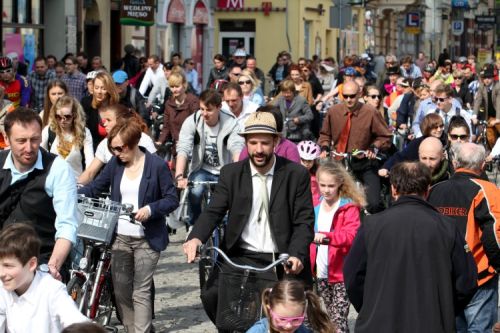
point(98, 282)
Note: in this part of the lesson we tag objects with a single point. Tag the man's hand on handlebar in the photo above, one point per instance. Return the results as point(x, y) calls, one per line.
point(371, 155)
point(182, 183)
point(293, 266)
point(190, 249)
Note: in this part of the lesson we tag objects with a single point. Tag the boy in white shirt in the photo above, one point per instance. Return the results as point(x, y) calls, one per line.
point(30, 300)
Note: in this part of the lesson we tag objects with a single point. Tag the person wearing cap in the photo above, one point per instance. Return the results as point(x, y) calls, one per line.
point(408, 69)
point(131, 64)
point(352, 125)
point(38, 81)
point(239, 58)
point(394, 100)
point(349, 74)
point(487, 103)
point(90, 82)
point(427, 74)
point(16, 87)
point(273, 215)
point(208, 139)
point(153, 74)
point(390, 62)
point(74, 79)
point(129, 96)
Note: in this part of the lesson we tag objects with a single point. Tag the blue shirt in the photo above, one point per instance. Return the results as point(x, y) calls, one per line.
point(262, 326)
point(192, 77)
point(427, 106)
point(60, 185)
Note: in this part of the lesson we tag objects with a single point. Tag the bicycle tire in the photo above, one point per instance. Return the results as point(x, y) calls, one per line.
point(76, 291)
point(104, 302)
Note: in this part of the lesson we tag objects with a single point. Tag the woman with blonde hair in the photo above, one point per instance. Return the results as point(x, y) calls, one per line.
point(66, 134)
point(250, 85)
point(105, 93)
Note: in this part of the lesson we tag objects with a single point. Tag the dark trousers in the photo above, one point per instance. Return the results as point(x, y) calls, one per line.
point(370, 179)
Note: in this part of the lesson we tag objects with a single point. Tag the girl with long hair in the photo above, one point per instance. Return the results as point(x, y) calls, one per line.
point(286, 305)
point(337, 219)
point(250, 85)
point(66, 134)
point(55, 89)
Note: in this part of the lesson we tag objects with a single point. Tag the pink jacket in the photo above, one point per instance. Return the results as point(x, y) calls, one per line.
point(345, 224)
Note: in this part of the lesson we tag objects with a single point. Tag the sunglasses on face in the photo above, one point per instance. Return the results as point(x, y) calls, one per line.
point(282, 322)
point(350, 96)
point(65, 117)
point(118, 149)
point(462, 137)
point(439, 126)
point(458, 77)
point(373, 96)
point(441, 100)
point(244, 82)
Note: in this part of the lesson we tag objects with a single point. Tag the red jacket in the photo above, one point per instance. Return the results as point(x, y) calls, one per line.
point(344, 227)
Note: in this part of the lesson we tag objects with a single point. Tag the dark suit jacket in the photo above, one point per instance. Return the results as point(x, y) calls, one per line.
point(156, 190)
point(290, 207)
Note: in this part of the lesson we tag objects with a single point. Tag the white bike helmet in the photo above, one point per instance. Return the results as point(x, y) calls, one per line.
point(308, 150)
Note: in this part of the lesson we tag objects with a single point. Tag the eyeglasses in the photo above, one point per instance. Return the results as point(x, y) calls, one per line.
point(462, 137)
point(118, 149)
point(373, 96)
point(282, 322)
point(441, 100)
point(65, 117)
point(244, 82)
point(350, 96)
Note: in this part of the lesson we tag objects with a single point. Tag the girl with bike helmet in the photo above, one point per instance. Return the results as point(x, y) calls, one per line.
point(337, 219)
point(309, 153)
point(286, 305)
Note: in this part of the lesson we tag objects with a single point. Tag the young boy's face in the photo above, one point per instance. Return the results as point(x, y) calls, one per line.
point(15, 276)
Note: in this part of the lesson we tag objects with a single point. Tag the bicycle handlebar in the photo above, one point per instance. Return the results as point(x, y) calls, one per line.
point(354, 153)
point(283, 259)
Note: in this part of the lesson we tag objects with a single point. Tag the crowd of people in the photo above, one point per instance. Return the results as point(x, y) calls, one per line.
point(302, 157)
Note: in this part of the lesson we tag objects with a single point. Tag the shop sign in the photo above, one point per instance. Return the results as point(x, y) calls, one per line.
point(413, 23)
point(457, 28)
point(464, 4)
point(137, 12)
point(485, 22)
point(176, 12)
point(200, 15)
point(230, 4)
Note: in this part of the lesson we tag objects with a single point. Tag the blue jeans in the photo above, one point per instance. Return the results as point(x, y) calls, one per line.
point(197, 192)
point(482, 311)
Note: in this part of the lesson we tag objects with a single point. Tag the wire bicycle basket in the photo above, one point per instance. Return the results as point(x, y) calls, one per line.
point(99, 219)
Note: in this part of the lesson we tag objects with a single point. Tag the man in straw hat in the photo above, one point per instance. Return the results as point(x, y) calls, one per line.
point(270, 210)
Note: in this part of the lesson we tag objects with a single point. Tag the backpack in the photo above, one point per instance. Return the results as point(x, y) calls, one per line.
point(52, 137)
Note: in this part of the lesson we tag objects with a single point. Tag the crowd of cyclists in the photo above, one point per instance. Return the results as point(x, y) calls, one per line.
point(349, 123)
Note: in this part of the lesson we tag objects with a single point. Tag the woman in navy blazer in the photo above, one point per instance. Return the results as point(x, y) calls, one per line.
point(137, 177)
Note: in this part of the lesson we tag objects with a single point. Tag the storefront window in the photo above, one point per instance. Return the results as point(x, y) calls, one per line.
point(35, 12)
point(7, 11)
point(23, 41)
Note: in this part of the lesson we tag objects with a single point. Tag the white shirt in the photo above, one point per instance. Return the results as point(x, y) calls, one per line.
point(103, 154)
point(45, 307)
point(325, 220)
point(150, 78)
point(256, 235)
point(248, 108)
point(74, 158)
point(129, 189)
point(452, 112)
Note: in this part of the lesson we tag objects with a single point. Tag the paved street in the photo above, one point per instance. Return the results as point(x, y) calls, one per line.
point(178, 305)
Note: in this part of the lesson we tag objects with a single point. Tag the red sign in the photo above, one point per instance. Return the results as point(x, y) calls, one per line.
point(267, 7)
point(176, 12)
point(236, 4)
point(200, 15)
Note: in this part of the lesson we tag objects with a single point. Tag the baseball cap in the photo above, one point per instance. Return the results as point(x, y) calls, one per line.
point(91, 75)
point(260, 123)
point(240, 53)
point(350, 71)
point(365, 56)
point(120, 76)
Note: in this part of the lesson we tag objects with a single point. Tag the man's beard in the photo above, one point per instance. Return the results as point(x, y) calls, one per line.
point(267, 159)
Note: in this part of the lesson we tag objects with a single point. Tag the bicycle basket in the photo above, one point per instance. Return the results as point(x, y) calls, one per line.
point(239, 301)
point(99, 219)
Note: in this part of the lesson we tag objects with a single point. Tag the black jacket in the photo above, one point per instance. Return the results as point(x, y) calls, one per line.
point(407, 270)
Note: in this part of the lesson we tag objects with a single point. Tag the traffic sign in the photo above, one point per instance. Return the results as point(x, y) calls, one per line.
point(457, 28)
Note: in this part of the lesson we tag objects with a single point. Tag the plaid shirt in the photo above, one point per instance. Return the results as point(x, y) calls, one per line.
point(38, 85)
point(77, 84)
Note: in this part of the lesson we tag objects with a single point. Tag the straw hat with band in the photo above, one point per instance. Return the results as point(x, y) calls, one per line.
point(260, 123)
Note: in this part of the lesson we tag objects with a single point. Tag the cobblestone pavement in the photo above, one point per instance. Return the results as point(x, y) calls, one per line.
point(177, 305)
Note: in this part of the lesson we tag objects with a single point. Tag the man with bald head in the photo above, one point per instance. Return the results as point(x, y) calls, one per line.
point(431, 153)
point(352, 125)
point(474, 205)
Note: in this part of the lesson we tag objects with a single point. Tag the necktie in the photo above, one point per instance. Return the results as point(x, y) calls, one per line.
point(446, 122)
point(344, 135)
point(264, 197)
